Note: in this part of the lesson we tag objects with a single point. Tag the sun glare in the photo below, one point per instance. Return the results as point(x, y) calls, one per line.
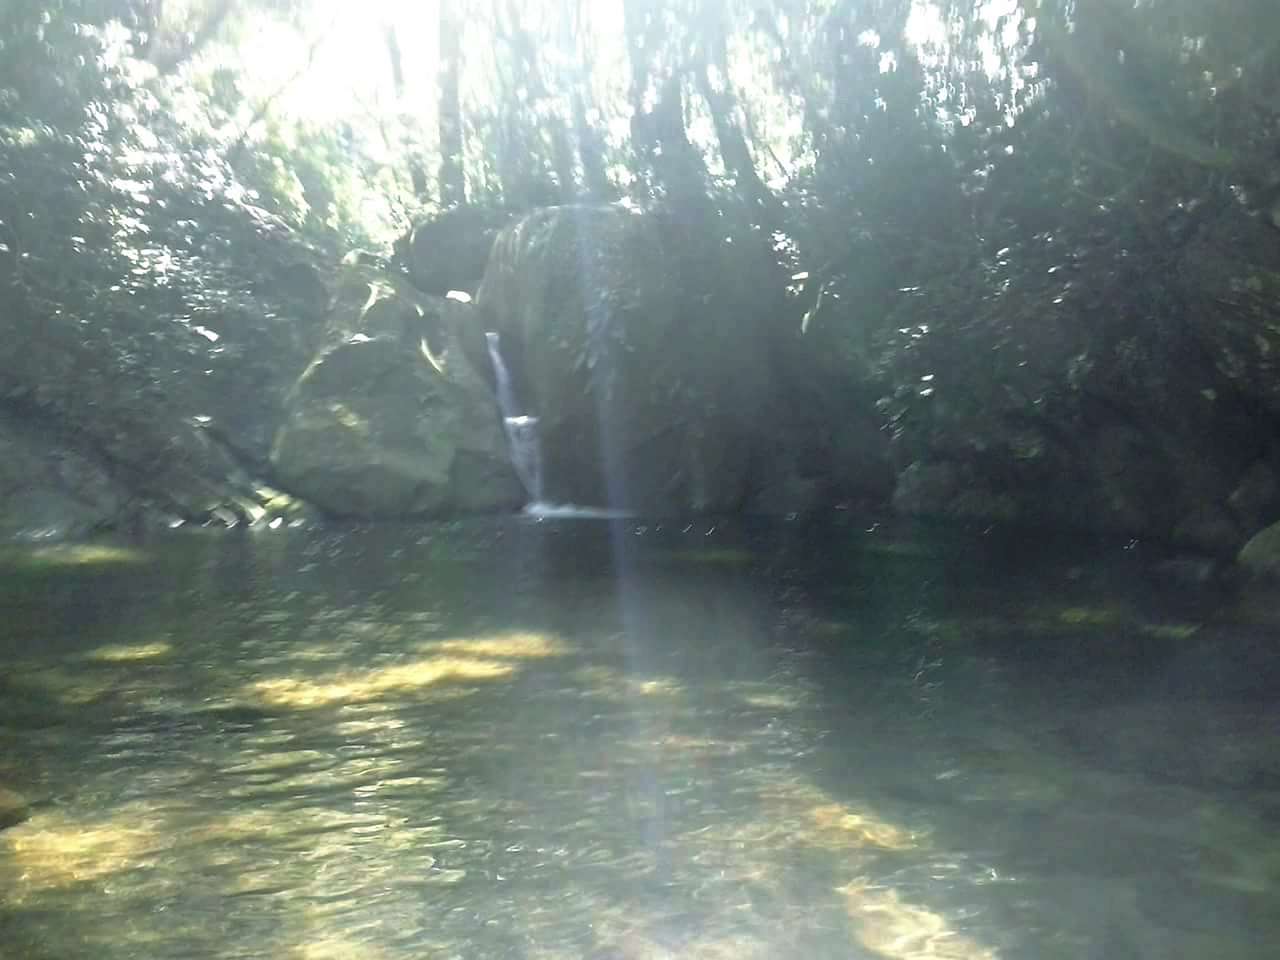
point(339, 65)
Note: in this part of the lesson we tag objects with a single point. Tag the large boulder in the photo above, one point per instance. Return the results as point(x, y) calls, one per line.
point(449, 252)
point(378, 303)
point(633, 385)
point(393, 419)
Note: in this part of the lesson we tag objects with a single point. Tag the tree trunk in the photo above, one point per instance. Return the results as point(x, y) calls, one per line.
point(658, 138)
point(453, 183)
point(736, 153)
point(417, 172)
point(595, 181)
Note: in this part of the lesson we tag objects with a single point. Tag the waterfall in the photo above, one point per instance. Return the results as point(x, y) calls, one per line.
point(522, 430)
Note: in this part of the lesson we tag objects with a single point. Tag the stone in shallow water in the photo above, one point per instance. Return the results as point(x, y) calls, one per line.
point(1261, 555)
point(1256, 496)
point(14, 808)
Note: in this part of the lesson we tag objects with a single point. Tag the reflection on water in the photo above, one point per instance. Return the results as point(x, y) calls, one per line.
point(618, 741)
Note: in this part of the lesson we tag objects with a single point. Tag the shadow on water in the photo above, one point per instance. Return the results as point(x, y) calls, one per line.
point(538, 738)
point(1071, 718)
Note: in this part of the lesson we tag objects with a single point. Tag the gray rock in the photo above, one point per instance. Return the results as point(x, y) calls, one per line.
point(376, 428)
point(450, 251)
point(381, 304)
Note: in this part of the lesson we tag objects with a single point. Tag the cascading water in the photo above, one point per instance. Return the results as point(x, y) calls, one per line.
point(522, 430)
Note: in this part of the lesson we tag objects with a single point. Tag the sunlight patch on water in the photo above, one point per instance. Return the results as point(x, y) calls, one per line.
point(352, 687)
point(753, 860)
point(906, 931)
point(144, 853)
point(1058, 624)
point(337, 948)
point(661, 687)
point(634, 945)
point(120, 652)
point(764, 696)
point(1095, 616)
point(610, 684)
point(514, 644)
point(55, 851)
point(839, 825)
point(814, 818)
point(72, 688)
point(62, 555)
point(541, 510)
point(1171, 631)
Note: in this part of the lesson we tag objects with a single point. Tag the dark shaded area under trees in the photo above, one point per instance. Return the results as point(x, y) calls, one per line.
point(1028, 272)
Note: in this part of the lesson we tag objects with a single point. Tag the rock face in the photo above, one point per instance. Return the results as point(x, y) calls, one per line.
point(626, 381)
point(144, 415)
point(176, 406)
point(450, 251)
point(392, 419)
point(657, 351)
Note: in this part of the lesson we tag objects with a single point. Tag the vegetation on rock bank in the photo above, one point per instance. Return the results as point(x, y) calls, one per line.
point(1011, 260)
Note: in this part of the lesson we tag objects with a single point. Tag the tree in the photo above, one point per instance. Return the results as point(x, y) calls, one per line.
point(453, 186)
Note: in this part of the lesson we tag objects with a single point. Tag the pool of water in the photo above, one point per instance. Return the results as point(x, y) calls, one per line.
point(582, 738)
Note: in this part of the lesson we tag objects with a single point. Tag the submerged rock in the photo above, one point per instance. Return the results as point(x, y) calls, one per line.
point(1208, 527)
point(1189, 569)
point(1254, 501)
point(1260, 557)
point(14, 808)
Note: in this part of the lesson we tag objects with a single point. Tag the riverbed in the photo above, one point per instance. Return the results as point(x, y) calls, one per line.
point(555, 737)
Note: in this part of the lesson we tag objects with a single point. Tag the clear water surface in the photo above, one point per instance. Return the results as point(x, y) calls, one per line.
point(549, 738)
